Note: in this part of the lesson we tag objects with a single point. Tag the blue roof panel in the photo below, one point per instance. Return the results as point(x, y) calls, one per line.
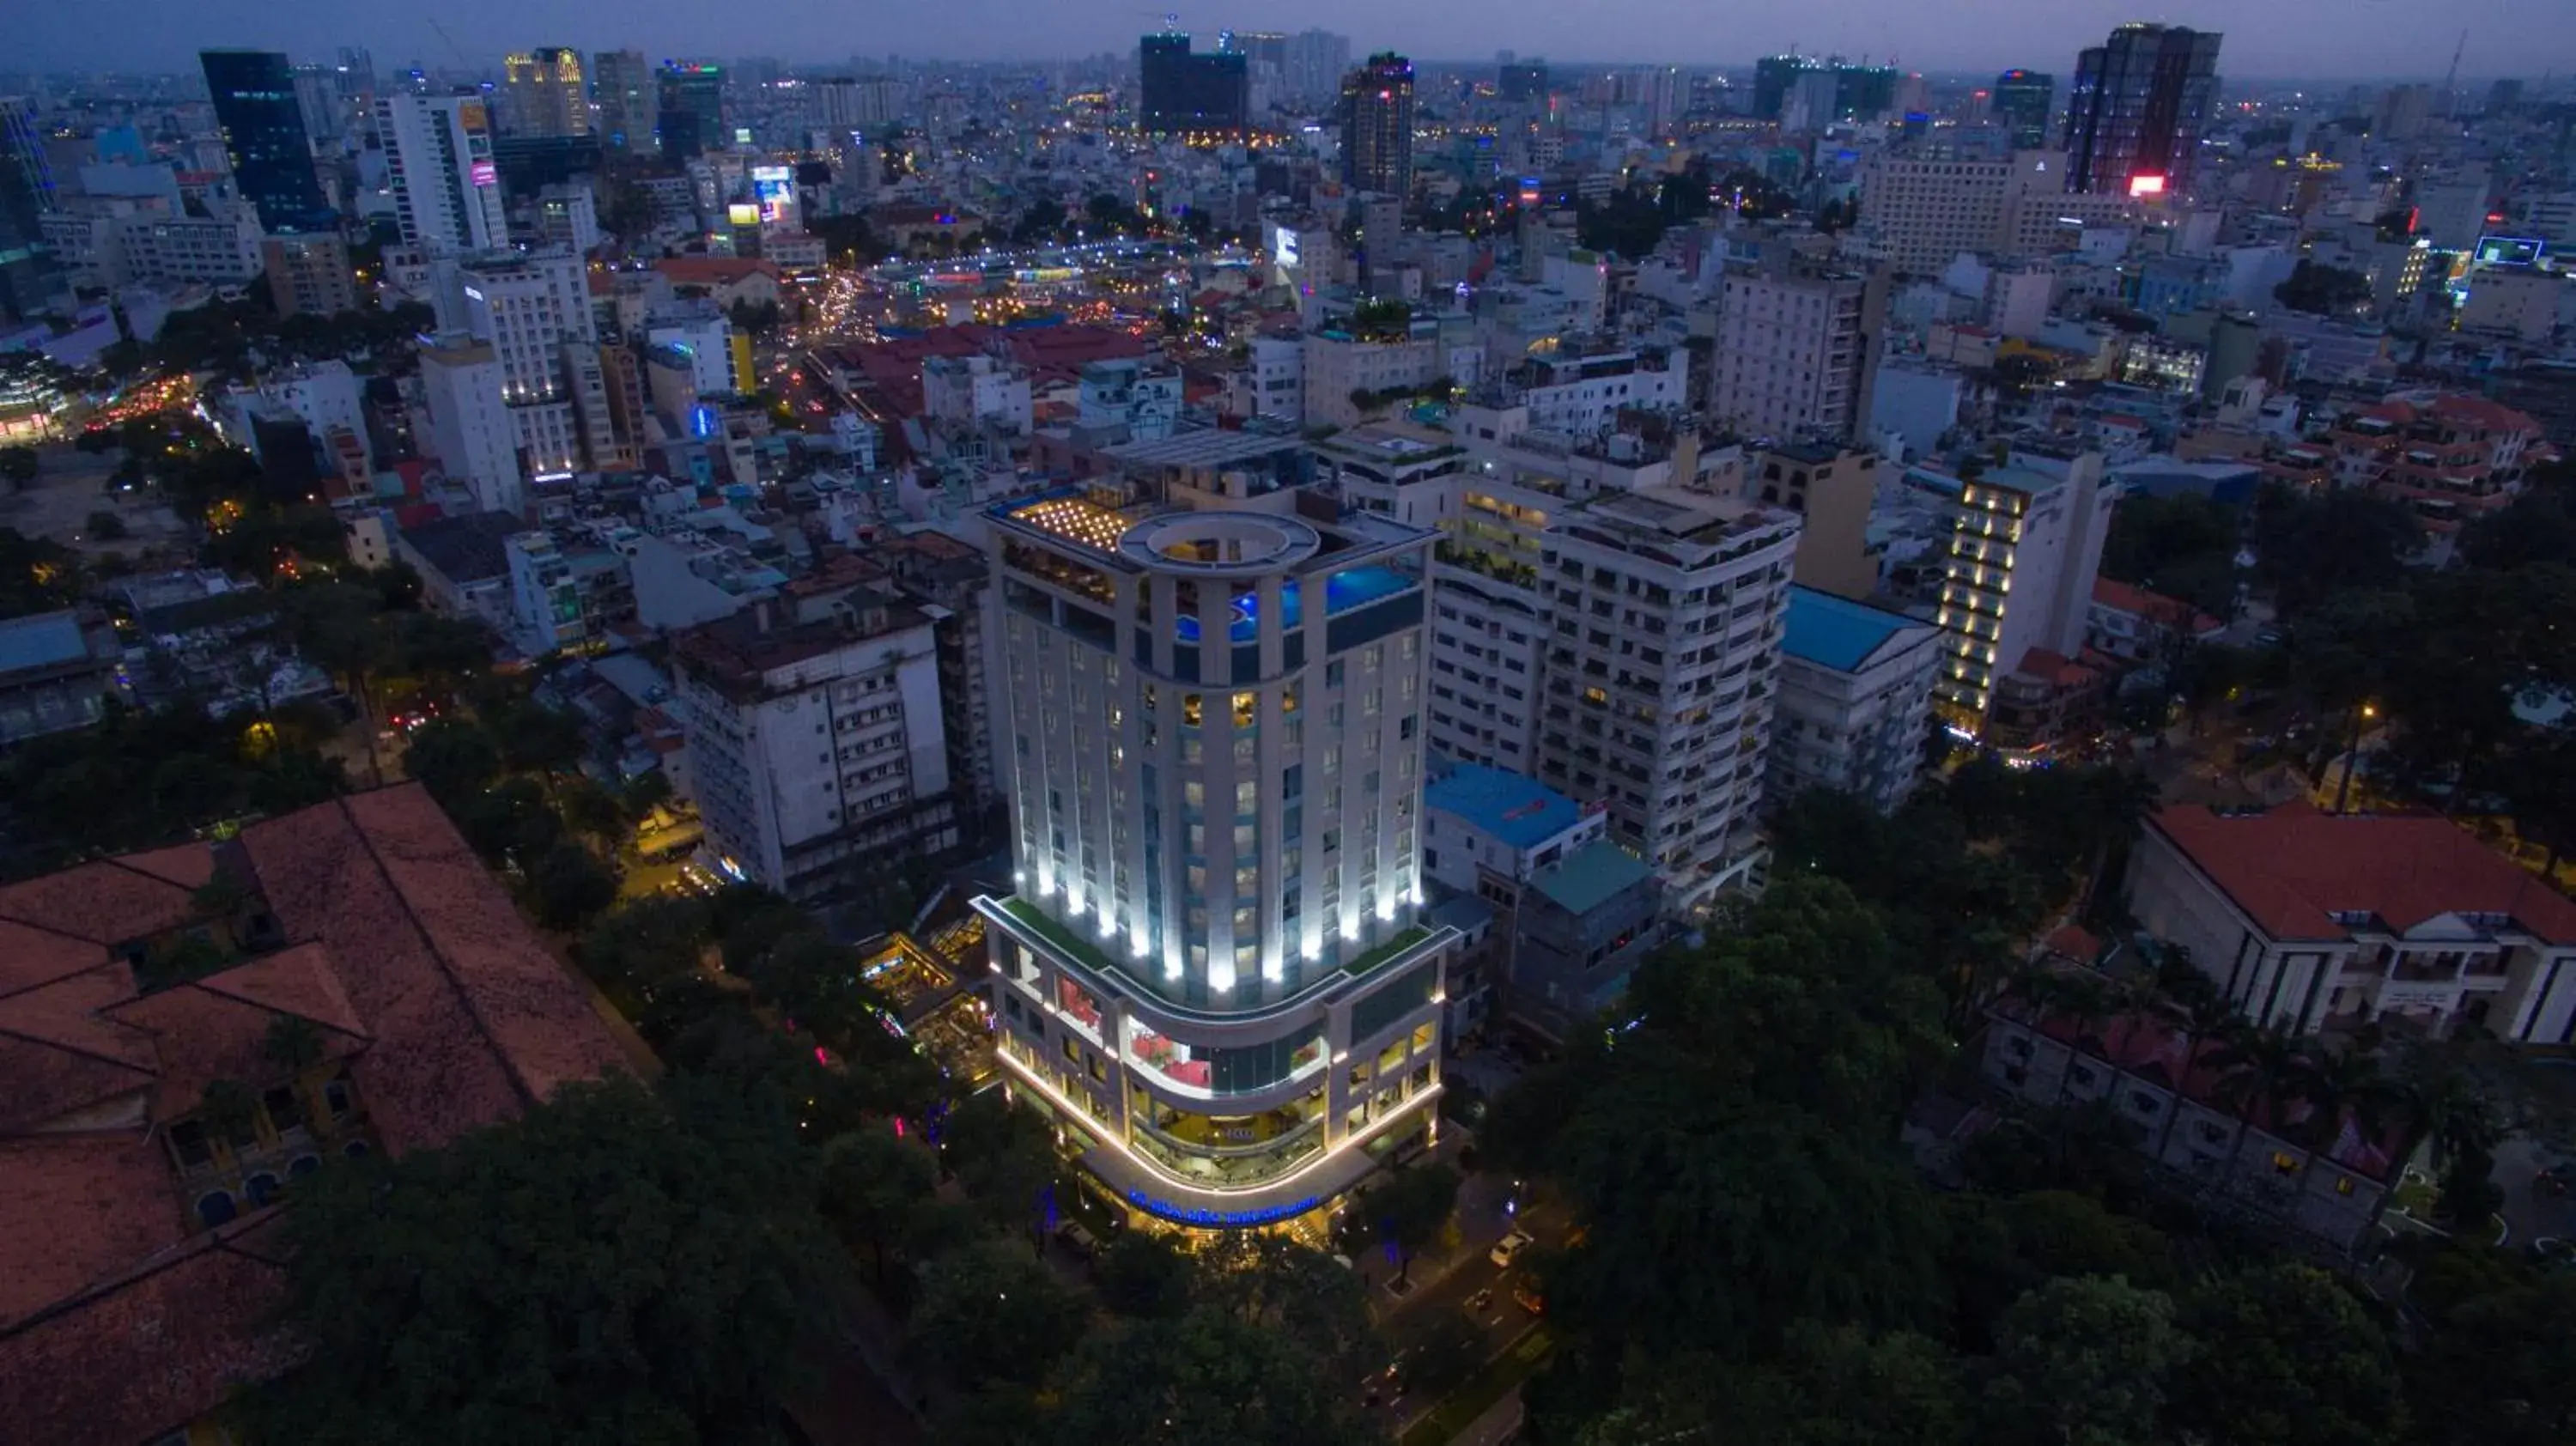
point(1516, 809)
point(1837, 633)
point(42, 640)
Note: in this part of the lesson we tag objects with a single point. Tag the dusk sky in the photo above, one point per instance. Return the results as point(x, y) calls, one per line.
point(2279, 37)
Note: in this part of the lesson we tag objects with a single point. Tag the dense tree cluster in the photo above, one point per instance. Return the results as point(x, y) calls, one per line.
point(235, 339)
point(2327, 290)
point(1760, 1262)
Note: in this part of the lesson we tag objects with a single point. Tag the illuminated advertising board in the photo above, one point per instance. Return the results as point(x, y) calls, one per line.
point(774, 189)
point(2509, 250)
point(2142, 186)
point(485, 173)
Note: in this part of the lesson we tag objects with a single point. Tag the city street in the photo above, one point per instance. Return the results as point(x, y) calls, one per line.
point(1429, 1314)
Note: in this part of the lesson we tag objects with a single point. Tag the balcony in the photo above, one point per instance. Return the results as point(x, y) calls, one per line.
point(1215, 1166)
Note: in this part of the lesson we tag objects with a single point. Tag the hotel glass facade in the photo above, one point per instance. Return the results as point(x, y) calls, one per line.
point(1212, 740)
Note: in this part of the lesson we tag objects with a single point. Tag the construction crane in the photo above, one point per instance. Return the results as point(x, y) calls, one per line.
point(2451, 82)
point(453, 48)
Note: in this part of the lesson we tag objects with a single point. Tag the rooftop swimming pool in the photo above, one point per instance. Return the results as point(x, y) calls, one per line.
point(1350, 588)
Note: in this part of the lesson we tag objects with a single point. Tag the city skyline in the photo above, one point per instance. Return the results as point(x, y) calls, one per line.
point(2298, 38)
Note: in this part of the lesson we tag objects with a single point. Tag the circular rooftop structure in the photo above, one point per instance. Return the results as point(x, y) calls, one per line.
point(1220, 544)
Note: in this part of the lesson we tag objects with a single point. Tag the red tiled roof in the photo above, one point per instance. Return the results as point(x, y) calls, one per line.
point(117, 1321)
point(2054, 668)
point(190, 866)
point(104, 902)
point(30, 956)
point(159, 1346)
point(2153, 606)
point(2289, 868)
point(714, 270)
point(473, 1018)
point(2164, 1054)
point(59, 1057)
point(97, 1204)
point(213, 1034)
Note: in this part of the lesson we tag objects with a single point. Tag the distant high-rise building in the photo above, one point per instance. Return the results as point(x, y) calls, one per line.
point(2025, 100)
point(28, 276)
point(1377, 126)
point(1182, 93)
point(2139, 105)
point(318, 100)
point(308, 275)
point(690, 119)
point(357, 73)
point(843, 104)
point(1864, 92)
point(1521, 82)
point(446, 185)
point(1316, 62)
point(265, 139)
point(623, 85)
point(2503, 97)
point(545, 92)
point(533, 309)
point(1774, 76)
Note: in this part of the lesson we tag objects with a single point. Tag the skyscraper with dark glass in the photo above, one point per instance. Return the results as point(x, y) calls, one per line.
point(2140, 103)
point(272, 157)
point(2024, 101)
point(1377, 126)
point(691, 118)
point(29, 280)
point(1520, 82)
point(1181, 93)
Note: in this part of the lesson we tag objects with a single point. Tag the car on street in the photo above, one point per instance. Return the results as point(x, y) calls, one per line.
point(1481, 1304)
point(1509, 1248)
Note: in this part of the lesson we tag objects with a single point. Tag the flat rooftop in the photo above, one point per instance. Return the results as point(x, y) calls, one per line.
point(1206, 447)
point(1513, 807)
point(1837, 633)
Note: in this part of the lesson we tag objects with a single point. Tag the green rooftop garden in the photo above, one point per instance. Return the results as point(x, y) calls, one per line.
point(1388, 950)
point(1083, 951)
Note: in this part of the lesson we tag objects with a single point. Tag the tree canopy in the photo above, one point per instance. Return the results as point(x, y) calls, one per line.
point(619, 1265)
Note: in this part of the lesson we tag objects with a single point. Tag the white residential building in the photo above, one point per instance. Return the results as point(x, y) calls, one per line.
point(1275, 375)
point(971, 390)
point(1923, 206)
point(1797, 351)
point(815, 740)
point(1337, 365)
point(1578, 390)
point(1214, 976)
point(529, 307)
point(2025, 547)
point(121, 243)
point(568, 217)
point(470, 430)
point(1492, 487)
point(325, 396)
point(2309, 921)
point(1139, 397)
point(1492, 830)
point(446, 187)
point(1666, 611)
point(1855, 700)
